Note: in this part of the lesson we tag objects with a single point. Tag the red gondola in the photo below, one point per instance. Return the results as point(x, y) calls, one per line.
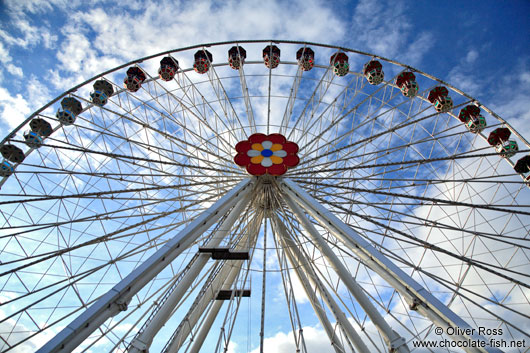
point(306, 58)
point(168, 68)
point(202, 61)
point(271, 56)
point(134, 79)
point(373, 71)
point(236, 57)
point(499, 136)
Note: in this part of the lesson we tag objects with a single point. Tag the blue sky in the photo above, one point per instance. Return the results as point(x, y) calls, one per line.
point(480, 47)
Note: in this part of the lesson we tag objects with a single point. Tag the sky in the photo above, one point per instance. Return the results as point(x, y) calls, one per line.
point(480, 47)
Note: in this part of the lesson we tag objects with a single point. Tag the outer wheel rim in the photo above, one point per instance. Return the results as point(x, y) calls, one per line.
point(213, 164)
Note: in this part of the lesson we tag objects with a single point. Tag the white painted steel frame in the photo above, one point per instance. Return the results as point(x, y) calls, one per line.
point(301, 263)
point(199, 338)
point(394, 341)
point(319, 310)
point(191, 105)
point(427, 305)
point(225, 279)
point(116, 299)
point(144, 340)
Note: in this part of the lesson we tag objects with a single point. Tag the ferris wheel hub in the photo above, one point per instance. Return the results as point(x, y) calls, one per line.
point(266, 154)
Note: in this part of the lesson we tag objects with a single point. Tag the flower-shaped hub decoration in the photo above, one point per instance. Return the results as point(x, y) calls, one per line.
point(266, 154)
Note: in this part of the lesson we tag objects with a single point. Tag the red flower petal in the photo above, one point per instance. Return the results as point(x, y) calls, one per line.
point(276, 138)
point(290, 147)
point(277, 169)
point(257, 138)
point(242, 159)
point(243, 146)
point(291, 160)
point(256, 169)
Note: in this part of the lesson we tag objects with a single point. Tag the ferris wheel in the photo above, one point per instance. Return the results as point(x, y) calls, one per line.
point(211, 197)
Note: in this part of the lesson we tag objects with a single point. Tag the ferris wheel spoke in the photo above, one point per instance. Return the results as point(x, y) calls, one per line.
point(247, 100)
point(387, 235)
point(457, 289)
point(147, 148)
point(225, 102)
point(493, 269)
point(361, 320)
point(164, 115)
point(314, 101)
point(97, 194)
point(451, 287)
point(409, 182)
point(128, 141)
point(429, 199)
point(404, 183)
point(48, 325)
point(390, 130)
point(198, 117)
point(133, 159)
point(196, 100)
point(109, 215)
point(340, 115)
point(291, 101)
point(306, 272)
point(292, 306)
point(73, 279)
point(311, 268)
point(380, 301)
point(359, 145)
point(403, 218)
point(354, 112)
point(326, 278)
point(463, 155)
point(110, 236)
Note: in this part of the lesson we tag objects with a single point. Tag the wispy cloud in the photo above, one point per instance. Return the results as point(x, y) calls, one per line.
point(384, 28)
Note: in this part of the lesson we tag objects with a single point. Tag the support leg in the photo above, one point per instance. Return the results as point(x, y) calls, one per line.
point(117, 299)
point(301, 268)
point(392, 339)
point(143, 341)
point(426, 304)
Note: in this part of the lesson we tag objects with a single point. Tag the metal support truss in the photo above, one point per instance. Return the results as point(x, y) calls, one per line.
point(224, 279)
point(117, 299)
point(394, 341)
point(246, 96)
point(423, 301)
point(290, 103)
point(301, 268)
point(312, 105)
point(199, 338)
point(143, 341)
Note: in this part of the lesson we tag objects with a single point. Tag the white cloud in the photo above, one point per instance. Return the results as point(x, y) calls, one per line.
point(384, 28)
point(96, 40)
point(465, 77)
point(513, 104)
point(471, 56)
point(12, 331)
point(6, 59)
point(316, 340)
point(13, 109)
